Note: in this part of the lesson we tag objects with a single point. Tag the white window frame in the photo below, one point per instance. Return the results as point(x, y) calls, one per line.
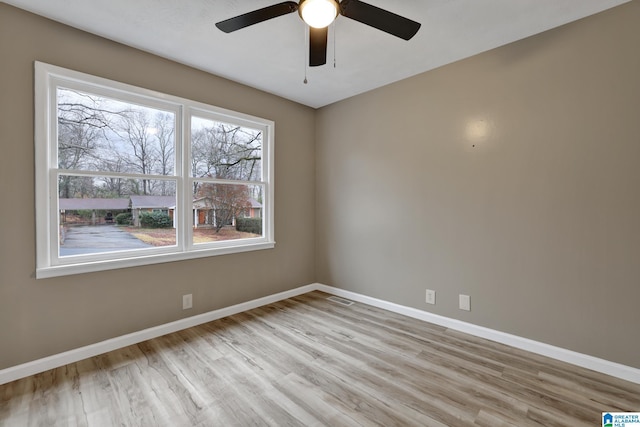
point(48, 262)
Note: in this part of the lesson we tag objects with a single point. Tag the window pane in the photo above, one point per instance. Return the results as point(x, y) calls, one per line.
point(225, 151)
point(227, 212)
point(96, 133)
point(106, 214)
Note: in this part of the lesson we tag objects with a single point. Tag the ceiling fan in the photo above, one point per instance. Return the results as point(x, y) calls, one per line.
point(319, 14)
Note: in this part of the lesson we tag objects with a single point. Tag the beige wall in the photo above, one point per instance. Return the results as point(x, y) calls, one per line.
point(43, 317)
point(539, 222)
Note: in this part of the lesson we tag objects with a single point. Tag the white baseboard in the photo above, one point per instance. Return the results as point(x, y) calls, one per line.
point(55, 361)
point(595, 364)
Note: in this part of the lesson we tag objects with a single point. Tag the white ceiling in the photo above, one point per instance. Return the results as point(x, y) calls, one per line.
point(271, 55)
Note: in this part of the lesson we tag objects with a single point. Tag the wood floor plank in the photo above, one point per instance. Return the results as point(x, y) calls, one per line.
point(308, 361)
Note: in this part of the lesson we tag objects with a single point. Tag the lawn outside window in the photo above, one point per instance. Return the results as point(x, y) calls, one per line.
point(126, 176)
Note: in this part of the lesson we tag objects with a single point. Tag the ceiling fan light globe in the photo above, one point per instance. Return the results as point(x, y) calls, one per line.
point(318, 13)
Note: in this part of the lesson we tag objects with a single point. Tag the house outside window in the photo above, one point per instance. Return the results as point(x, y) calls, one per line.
point(126, 176)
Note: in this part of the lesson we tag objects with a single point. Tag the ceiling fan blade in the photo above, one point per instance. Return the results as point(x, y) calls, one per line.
point(379, 18)
point(317, 46)
point(257, 16)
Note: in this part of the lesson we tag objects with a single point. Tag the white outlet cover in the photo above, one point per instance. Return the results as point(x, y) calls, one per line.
point(187, 301)
point(465, 302)
point(431, 297)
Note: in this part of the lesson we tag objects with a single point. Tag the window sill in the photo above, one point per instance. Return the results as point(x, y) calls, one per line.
point(90, 267)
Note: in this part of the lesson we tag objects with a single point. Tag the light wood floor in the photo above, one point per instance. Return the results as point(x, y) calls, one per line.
point(307, 361)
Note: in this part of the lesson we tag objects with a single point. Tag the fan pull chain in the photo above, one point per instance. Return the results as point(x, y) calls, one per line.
point(335, 34)
point(306, 51)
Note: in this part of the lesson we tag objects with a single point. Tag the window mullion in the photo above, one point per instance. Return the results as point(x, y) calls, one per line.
point(186, 201)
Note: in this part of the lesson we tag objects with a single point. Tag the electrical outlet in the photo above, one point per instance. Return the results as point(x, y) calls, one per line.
point(465, 302)
point(187, 301)
point(431, 296)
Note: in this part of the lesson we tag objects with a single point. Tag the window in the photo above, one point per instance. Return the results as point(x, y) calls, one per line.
point(126, 176)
